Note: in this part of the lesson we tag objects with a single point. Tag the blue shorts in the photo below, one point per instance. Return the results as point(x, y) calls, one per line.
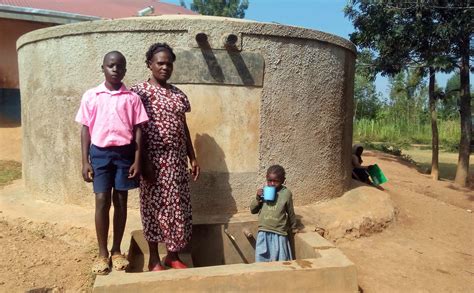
point(111, 166)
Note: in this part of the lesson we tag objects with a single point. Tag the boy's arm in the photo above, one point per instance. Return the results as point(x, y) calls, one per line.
point(291, 213)
point(135, 168)
point(87, 171)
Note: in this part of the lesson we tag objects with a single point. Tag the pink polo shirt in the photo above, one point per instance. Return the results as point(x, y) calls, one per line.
point(111, 115)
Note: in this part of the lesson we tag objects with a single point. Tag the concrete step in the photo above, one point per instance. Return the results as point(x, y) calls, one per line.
point(139, 253)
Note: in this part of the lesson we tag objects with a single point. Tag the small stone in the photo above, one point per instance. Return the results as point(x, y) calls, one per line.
point(2, 283)
point(469, 211)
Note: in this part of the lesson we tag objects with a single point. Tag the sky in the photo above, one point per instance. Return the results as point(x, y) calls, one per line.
point(322, 15)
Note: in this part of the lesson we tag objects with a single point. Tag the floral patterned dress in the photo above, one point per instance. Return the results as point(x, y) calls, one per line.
point(165, 204)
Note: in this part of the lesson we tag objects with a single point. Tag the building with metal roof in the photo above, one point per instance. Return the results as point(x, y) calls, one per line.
point(18, 17)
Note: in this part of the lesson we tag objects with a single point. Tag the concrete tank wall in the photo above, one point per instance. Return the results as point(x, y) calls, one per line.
point(293, 107)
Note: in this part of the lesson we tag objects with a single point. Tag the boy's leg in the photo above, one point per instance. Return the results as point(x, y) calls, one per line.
point(102, 207)
point(119, 198)
point(123, 159)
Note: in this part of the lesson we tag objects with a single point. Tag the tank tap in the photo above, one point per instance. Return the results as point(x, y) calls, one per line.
point(228, 234)
point(247, 233)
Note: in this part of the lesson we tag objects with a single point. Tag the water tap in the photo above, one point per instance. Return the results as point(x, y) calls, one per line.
point(247, 233)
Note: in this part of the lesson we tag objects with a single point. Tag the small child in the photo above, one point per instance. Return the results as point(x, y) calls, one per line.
point(111, 147)
point(275, 219)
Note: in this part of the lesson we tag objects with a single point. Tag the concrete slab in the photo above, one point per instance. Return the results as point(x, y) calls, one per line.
point(331, 271)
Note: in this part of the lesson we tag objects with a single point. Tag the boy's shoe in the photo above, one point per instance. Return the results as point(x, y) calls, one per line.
point(119, 262)
point(101, 266)
point(175, 264)
point(156, 268)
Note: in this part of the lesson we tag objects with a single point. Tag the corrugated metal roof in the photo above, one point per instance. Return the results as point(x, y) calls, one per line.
point(100, 8)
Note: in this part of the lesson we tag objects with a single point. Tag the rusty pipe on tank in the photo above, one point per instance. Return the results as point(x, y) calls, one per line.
point(201, 38)
point(230, 41)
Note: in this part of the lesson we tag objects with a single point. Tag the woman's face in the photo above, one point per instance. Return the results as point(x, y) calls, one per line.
point(161, 66)
point(359, 151)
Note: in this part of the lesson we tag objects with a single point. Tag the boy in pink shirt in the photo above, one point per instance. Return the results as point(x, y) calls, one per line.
point(111, 150)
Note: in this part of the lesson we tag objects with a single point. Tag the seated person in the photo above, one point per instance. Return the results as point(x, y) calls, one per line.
point(359, 172)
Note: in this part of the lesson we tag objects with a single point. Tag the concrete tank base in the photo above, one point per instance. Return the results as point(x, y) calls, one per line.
point(319, 267)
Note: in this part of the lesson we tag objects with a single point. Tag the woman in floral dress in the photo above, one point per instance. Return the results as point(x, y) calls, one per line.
point(165, 203)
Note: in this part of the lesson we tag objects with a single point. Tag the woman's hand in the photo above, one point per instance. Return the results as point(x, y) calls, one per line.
point(195, 169)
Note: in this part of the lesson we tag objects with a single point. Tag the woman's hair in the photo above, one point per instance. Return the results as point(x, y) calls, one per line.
point(278, 170)
point(158, 47)
point(356, 147)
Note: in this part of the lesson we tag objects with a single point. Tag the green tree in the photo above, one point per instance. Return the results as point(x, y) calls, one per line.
point(366, 99)
point(457, 16)
point(449, 106)
point(406, 98)
point(405, 33)
point(227, 8)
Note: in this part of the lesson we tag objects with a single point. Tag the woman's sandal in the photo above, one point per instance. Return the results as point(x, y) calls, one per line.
point(119, 262)
point(175, 264)
point(101, 266)
point(155, 268)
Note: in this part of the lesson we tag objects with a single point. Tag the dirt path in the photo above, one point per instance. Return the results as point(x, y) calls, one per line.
point(10, 146)
point(32, 260)
point(431, 246)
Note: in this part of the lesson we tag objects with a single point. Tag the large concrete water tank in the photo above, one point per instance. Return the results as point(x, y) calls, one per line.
point(261, 94)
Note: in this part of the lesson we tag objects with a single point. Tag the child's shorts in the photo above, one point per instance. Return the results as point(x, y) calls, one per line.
point(111, 167)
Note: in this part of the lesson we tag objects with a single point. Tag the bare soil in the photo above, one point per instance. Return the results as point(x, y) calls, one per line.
point(32, 260)
point(430, 247)
point(10, 146)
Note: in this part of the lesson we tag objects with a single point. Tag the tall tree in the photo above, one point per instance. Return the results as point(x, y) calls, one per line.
point(406, 99)
point(449, 106)
point(366, 99)
point(405, 33)
point(227, 8)
point(457, 17)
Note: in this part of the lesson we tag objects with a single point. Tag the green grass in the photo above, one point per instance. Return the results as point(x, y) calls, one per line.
point(420, 155)
point(447, 161)
point(402, 133)
point(9, 171)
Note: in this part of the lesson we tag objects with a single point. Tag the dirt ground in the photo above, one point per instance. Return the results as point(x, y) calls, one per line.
point(10, 146)
point(32, 260)
point(430, 247)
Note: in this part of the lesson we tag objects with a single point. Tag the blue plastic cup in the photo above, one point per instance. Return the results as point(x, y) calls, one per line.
point(269, 193)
